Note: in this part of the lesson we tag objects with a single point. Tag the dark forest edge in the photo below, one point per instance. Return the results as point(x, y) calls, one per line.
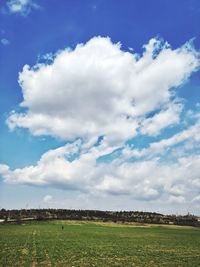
point(18, 216)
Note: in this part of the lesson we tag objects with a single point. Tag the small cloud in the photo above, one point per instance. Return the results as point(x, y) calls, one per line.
point(3, 169)
point(176, 199)
point(131, 49)
point(5, 41)
point(196, 199)
point(197, 105)
point(47, 199)
point(22, 7)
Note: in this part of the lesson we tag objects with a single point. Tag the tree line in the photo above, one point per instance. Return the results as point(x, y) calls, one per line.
point(114, 216)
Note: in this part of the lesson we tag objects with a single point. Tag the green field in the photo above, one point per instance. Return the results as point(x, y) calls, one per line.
point(98, 244)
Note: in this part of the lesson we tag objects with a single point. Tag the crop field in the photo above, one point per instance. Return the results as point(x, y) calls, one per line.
point(97, 244)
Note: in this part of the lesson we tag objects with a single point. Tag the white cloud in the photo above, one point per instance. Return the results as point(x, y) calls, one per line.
point(145, 179)
point(47, 199)
point(196, 199)
point(166, 117)
point(189, 138)
point(97, 89)
point(3, 168)
point(22, 7)
point(176, 199)
point(5, 42)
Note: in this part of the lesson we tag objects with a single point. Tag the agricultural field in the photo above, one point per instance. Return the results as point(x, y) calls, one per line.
point(97, 244)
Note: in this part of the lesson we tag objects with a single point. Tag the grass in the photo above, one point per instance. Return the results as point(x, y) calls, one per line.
point(98, 244)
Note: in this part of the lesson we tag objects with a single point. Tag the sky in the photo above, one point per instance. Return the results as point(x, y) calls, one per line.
point(100, 105)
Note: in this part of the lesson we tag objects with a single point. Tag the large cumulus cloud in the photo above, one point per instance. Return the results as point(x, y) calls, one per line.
point(98, 89)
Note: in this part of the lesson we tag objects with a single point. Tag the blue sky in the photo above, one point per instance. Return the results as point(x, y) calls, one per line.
point(107, 114)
